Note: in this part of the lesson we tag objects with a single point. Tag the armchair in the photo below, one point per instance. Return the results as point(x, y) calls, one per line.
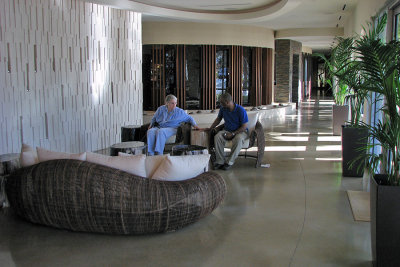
point(256, 139)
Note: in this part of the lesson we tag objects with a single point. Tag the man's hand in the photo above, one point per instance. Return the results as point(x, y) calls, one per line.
point(229, 135)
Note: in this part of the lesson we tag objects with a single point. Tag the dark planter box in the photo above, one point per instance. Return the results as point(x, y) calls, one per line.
point(385, 219)
point(353, 140)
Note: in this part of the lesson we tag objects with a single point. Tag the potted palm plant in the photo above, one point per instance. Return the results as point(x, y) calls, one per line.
point(379, 64)
point(345, 70)
point(336, 64)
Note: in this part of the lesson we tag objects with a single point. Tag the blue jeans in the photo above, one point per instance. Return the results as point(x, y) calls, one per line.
point(156, 138)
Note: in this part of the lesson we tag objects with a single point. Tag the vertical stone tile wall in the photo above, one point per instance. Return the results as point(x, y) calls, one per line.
point(283, 92)
point(287, 71)
point(296, 71)
point(70, 74)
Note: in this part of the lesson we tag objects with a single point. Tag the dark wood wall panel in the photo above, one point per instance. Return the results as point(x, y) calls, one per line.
point(261, 90)
point(208, 69)
point(158, 85)
point(267, 76)
point(236, 67)
point(256, 93)
point(180, 76)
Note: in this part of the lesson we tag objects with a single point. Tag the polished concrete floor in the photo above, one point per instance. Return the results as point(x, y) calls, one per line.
point(294, 213)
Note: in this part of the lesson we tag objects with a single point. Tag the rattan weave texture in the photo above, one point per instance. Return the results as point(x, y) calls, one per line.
point(83, 196)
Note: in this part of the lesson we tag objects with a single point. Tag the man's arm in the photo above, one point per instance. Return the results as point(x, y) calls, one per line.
point(154, 118)
point(242, 128)
point(215, 123)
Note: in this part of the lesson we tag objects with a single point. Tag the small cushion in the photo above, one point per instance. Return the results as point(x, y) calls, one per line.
point(253, 118)
point(171, 140)
point(152, 163)
point(133, 164)
point(28, 156)
point(178, 168)
point(45, 155)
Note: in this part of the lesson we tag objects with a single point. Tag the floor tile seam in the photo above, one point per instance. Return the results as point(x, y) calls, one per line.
point(304, 215)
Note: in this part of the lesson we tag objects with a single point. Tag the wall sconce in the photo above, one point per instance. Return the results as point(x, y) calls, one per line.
point(155, 72)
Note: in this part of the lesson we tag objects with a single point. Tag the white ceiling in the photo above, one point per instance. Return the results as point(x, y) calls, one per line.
point(273, 14)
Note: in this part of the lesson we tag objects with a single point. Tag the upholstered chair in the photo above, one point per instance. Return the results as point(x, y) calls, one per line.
point(256, 139)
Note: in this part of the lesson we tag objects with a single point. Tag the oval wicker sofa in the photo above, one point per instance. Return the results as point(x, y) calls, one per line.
point(83, 196)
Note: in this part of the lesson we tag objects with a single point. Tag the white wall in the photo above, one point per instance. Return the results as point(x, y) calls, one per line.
point(362, 14)
point(70, 74)
point(207, 33)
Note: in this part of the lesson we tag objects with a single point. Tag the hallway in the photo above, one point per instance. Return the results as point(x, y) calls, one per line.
point(294, 213)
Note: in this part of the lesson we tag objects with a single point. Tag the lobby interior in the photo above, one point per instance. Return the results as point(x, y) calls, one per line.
point(74, 72)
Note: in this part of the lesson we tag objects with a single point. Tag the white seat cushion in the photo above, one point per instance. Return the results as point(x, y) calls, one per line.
point(171, 140)
point(253, 118)
point(44, 155)
point(28, 156)
point(134, 164)
point(178, 168)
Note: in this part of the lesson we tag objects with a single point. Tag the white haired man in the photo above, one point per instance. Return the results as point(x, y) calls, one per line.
point(164, 124)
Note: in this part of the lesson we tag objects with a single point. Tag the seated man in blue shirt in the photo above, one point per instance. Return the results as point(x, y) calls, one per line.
point(235, 129)
point(164, 124)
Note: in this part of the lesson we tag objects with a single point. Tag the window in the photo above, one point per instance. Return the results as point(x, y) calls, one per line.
point(170, 69)
point(246, 75)
point(192, 79)
point(396, 23)
point(222, 70)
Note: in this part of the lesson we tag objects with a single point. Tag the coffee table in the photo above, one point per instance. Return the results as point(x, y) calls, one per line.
point(132, 147)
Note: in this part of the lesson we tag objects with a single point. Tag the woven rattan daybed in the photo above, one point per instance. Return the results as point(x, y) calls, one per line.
point(87, 197)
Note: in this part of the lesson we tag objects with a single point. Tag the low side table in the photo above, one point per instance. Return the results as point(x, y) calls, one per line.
point(130, 133)
point(132, 147)
point(8, 164)
point(180, 150)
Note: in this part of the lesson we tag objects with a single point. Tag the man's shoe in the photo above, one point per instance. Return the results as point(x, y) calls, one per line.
point(217, 166)
point(226, 167)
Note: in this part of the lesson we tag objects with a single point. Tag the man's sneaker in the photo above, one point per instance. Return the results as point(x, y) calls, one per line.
point(226, 167)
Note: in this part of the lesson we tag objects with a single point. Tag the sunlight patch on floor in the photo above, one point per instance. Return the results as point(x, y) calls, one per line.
point(328, 159)
point(329, 148)
point(285, 148)
point(329, 139)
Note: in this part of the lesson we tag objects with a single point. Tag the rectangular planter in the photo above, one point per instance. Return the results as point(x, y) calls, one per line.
point(340, 114)
point(353, 140)
point(385, 222)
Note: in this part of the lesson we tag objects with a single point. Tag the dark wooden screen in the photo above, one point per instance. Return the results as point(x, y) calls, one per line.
point(236, 67)
point(180, 76)
point(256, 86)
point(158, 84)
point(267, 75)
point(208, 69)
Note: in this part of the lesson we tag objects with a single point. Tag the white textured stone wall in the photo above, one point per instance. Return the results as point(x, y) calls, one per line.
point(70, 74)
